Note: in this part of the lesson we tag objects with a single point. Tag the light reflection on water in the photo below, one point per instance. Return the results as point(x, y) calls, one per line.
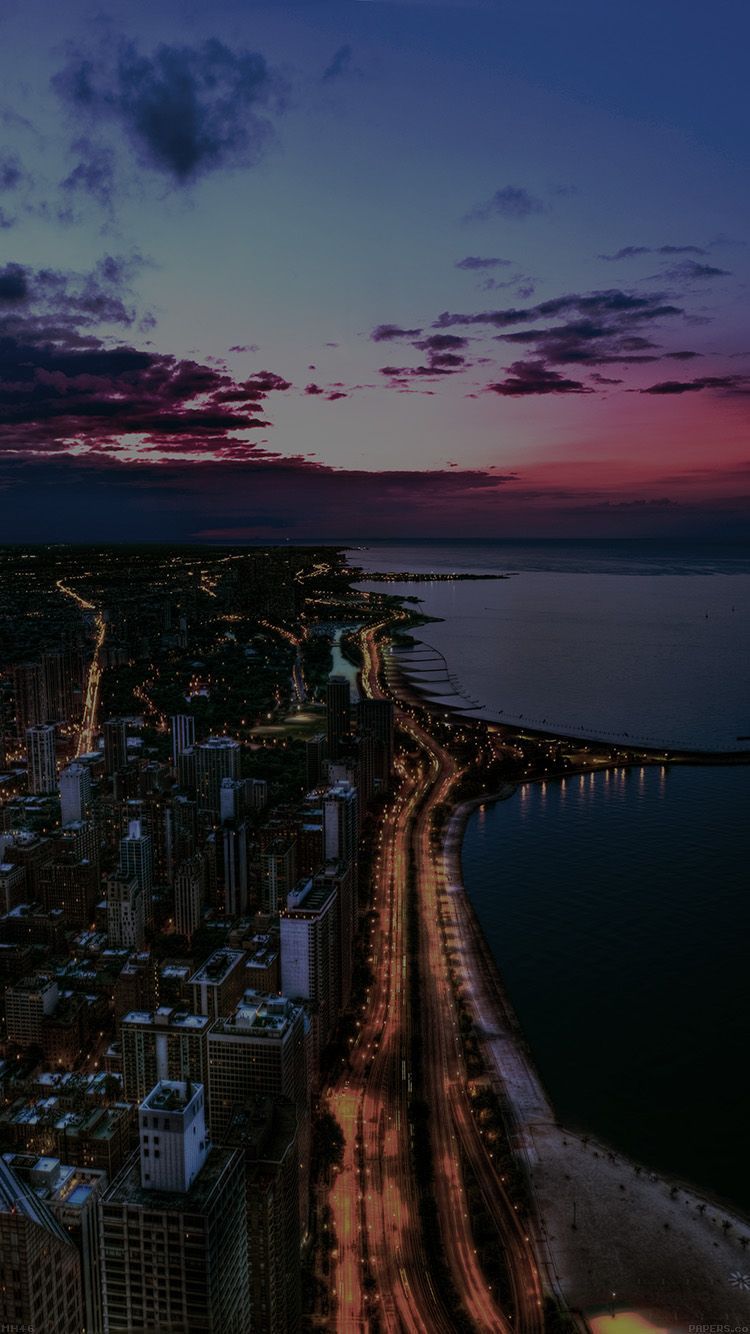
point(618, 911)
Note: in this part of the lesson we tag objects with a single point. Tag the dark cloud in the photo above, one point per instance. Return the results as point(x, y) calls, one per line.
point(244, 347)
point(12, 173)
point(736, 382)
point(691, 271)
point(94, 172)
point(441, 343)
point(631, 251)
point(472, 262)
point(340, 64)
point(512, 201)
point(62, 384)
point(386, 333)
point(606, 304)
point(186, 110)
point(527, 378)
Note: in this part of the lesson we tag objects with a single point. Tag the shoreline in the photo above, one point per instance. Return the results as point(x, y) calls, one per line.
point(581, 1185)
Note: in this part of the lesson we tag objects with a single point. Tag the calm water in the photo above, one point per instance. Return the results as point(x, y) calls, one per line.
point(636, 641)
point(618, 909)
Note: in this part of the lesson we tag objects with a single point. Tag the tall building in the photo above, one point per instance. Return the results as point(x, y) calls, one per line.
point(40, 753)
point(265, 1130)
point(260, 1049)
point(59, 673)
point(338, 714)
point(234, 868)
point(315, 755)
point(189, 894)
point(167, 1043)
point(340, 876)
point(126, 920)
point(340, 823)
point(75, 792)
point(28, 692)
point(174, 1228)
point(137, 862)
point(72, 1196)
point(278, 873)
point(215, 759)
point(41, 1287)
point(27, 1003)
point(375, 718)
point(180, 833)
point(115, 745)
point(72, 886)
point(217, 985)
point(183, 734)
point(310, 955)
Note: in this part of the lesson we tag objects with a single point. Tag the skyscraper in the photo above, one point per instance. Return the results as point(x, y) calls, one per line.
point(375, 719)
point(189, 894)
point(174, 1228)
point(126, 922)
point(183, 734)
point(234, 869)
point(75, 792)
point(278, 873)
point(137, 862)
point(115, 745)
point(41, 1289)
point(310, 955)
point(338, 714)
point(40, 753)
point(215, 759)
point(167, 1043)
point(29, 696)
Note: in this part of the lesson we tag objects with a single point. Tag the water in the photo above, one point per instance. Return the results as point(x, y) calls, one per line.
point(618, 909)
point(640, 642)
point(617, 906)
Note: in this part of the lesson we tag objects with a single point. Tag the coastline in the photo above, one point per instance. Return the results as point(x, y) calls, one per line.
point(612, 1235)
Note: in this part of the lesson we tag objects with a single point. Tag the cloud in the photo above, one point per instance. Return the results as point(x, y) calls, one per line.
point(736, 382)
point(340, 64)
point(14, 284)
point(512, 201)
point(690, 271)
point(472, 262)
point(186, 110)
point(526, 378)
point(441, 343)
point(386, 333)
point(12, 173)
point(94, 172)
point(632, 251)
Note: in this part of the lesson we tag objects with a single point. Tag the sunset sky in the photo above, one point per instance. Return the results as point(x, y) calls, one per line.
point(340, 270)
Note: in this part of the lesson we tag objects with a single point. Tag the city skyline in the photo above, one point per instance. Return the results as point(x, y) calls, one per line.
point(361, 270)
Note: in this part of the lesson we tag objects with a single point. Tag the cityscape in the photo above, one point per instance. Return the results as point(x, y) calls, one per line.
point(259, 1067)
point(374, 645)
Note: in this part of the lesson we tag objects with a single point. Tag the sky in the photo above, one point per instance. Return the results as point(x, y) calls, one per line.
point(362, 269)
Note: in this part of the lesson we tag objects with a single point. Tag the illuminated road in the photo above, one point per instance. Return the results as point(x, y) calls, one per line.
point(89, 720)
point(383, 1266)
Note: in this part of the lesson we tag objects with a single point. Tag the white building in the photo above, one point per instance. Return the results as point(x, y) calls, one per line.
point(75, 793)
point(174, 1141)
point(40, 752)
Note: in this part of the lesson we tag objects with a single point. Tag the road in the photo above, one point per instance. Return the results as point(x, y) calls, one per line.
point(90, 718)
point(383, 1266)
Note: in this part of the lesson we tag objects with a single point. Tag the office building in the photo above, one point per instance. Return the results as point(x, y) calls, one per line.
point(310, 955)
point(234, 868)
point(315, 757)
point(183, 734)
point(71, 1194)
point(174, 1228)
point(40, 754)
point(260, 1049)
point(137, 863)
point(75, 792)
point(189, 895)
point(278, 873)
point(338, 715)
point(61, 674)
point(29, 696)
point(126, 921)
point(167, 1043)
point(217, 985)
point(265, 1131)
point(216, 758)
point(115, 745)
point(28, 1001)
point(41, 1286)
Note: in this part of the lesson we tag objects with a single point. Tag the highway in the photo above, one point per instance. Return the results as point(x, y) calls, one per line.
point(383, 1269)
point(90, 718)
